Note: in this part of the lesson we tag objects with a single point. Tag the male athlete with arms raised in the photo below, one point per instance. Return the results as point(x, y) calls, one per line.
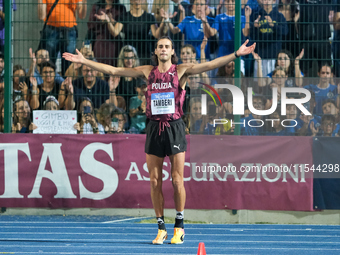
point(165, 129)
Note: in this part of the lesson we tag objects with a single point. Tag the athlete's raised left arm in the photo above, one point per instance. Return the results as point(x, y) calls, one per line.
point(218, 62)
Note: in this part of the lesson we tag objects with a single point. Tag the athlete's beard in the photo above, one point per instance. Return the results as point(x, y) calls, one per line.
point(162, 60)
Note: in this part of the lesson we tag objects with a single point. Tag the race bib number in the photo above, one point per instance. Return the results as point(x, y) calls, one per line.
point(162, 103)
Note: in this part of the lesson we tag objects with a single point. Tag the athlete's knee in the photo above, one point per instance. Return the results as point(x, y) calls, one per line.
point(177, 182)
point(155, 183)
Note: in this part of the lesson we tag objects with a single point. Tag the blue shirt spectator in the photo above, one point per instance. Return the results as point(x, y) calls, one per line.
point(321, 94)
point(336, 37)
point(289, 82)
point(225, 25)
point(58, 79)
point(195, 27)
point(299, 123)
point(37, 59)
point(326, 128)
point(284, 132)
point(253, 4)
point(267, 25)
point(323, 90)
point(195, 128)
point(336, 130)
point(275, 127)
point(246, 129)
point(316, 122)
point(192, 28)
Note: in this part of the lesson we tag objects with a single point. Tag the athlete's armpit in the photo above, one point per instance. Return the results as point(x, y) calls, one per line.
point(182, 69)
point(145, 70)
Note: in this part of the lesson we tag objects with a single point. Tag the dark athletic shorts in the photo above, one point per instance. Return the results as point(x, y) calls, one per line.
point(169, 142)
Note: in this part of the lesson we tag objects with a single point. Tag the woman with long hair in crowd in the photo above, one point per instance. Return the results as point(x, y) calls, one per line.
point(87, 123)
point(100, 28)
point(22, 122)
point(135, 25)
point(290, 65)
point(128, 57)
point(20, 88)
point(279, 79)
point(104, 116)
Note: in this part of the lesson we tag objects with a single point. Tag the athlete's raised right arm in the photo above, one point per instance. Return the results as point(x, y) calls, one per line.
point(115, 71)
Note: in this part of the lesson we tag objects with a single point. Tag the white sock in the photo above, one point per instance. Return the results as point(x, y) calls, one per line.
point(180, 215)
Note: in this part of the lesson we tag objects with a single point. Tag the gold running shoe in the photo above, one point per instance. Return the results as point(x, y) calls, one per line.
point(161, 237)
point(178, 236)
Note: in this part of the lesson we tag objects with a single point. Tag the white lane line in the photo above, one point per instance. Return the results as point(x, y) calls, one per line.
point(151, 226)
point(94, 253)
point(231, 227)
point(268, 229)
point(151, 234)
point(145, 226)
point(234, 226)
point(134, 218)
point(226, 232)
point(139, 240)
point(168, 246)
point(70, 227)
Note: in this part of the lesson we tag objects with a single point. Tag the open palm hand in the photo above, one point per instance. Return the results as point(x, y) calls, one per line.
point(244, 50)
point(75, 58)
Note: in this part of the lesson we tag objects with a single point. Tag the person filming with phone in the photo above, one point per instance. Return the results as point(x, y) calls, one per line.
point(20, 88)
point(87, 123)
point(111, 118)
point(118, 121)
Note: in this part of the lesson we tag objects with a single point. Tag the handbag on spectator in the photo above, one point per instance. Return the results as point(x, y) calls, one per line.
point(42, 39)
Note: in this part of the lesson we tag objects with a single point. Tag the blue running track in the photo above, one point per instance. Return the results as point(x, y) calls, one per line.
point(125, 235)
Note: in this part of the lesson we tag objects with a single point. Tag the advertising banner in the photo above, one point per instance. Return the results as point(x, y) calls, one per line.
point(110, 171)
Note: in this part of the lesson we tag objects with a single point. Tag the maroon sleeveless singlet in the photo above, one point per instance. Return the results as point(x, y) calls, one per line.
point(164, 96)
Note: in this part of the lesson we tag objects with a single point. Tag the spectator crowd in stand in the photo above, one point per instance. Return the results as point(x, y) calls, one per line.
point(293, 45)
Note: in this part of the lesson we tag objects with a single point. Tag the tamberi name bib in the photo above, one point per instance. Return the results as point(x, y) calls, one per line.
point(162, 103)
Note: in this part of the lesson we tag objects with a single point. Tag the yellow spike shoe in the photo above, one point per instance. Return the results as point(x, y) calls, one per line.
point(161, 237)
point(178, 236)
